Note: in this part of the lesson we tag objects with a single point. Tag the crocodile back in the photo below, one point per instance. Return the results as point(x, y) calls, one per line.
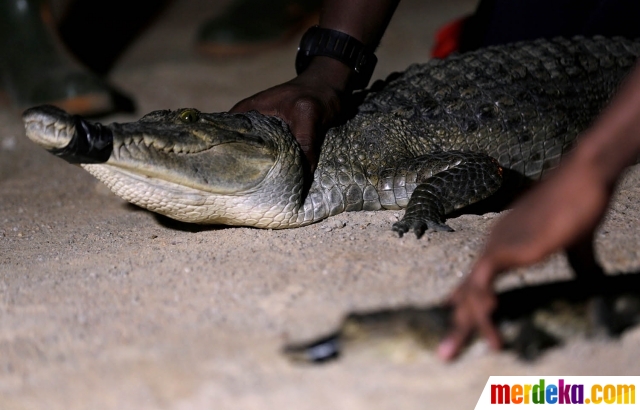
point(522, 103)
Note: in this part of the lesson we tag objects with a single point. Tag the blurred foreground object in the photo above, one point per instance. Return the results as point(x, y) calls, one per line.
point(249, 26)
point(35, 68)
point(530, 320)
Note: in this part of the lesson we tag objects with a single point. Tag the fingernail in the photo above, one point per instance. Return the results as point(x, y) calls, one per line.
point(446, 349)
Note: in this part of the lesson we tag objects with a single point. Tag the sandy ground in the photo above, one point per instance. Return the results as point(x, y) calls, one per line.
point(105, 306)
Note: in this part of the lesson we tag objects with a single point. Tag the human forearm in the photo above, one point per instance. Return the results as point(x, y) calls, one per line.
point(562, 212)
point(613, 142)
point(364, 20)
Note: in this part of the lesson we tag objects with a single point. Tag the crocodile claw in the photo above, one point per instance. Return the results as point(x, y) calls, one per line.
point(419, 227)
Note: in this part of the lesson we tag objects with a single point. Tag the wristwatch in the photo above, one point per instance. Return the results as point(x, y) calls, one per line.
point(340, 46)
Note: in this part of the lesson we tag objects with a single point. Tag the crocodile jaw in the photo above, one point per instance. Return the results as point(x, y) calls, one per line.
point(177, 201)
point(275, 204)
point(251, 175)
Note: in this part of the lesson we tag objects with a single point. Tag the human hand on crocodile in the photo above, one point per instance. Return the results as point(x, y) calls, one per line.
point(309, 103)
point(312, 102)
point(560, 213)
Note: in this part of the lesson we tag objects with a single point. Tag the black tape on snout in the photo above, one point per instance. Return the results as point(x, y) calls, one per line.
point(91, 144)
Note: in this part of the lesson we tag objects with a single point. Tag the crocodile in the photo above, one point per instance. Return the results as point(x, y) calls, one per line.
point(433, 139)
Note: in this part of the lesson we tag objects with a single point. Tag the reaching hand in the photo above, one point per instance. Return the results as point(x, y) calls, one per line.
point(558, 214)
point(473, 304)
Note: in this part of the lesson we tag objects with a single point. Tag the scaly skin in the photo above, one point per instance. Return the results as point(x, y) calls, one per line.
point(432, 139)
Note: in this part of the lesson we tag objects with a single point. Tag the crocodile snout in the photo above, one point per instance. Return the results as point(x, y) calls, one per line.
point(49, 127)
point(69, 137)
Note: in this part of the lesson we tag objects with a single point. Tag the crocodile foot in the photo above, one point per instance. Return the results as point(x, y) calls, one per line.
point(419, 226)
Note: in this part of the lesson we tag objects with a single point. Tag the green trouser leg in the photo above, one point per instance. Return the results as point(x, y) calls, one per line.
point(35, 67)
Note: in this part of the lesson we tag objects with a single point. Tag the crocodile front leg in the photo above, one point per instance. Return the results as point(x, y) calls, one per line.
point(444, 182)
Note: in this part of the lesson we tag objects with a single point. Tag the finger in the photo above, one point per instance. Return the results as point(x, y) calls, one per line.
point(461, 330)
point(485, 269)
point(308, 149)
point(304, 129)
point(311, 161)
point(453, 343)
point(489, 331)
point(474, 302)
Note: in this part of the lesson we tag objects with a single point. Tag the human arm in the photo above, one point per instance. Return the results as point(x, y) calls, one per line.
point(560, 213)
point(311, 102)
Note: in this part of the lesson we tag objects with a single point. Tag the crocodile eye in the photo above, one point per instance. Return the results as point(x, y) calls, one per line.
point(189, 116)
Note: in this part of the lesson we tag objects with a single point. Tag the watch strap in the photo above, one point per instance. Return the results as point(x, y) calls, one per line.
point(326, 42)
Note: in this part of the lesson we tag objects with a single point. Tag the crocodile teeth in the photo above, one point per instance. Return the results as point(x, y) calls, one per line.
point(151, 142)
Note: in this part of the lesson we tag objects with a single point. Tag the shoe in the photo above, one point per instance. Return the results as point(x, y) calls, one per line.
point(249, 26)
point(36, 69)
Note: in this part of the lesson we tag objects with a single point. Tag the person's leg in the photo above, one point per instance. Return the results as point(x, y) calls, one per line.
point(35, 68)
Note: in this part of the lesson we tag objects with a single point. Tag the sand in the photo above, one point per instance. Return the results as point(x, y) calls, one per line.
point(107, 306)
